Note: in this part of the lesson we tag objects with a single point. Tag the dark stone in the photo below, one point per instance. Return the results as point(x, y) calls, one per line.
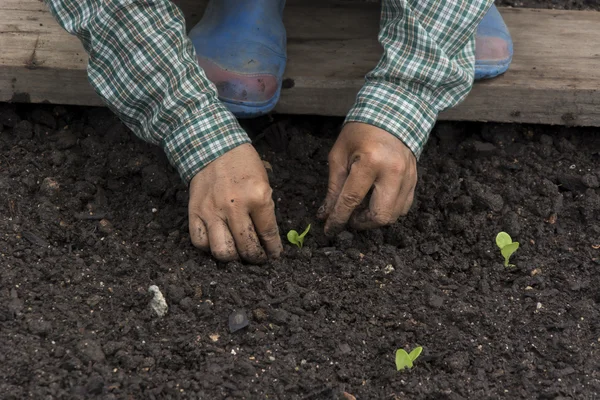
point(238, 320)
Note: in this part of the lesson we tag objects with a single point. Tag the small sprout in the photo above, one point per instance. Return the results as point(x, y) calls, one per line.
point(507, 247)
point(294, 238)
point(405, 360)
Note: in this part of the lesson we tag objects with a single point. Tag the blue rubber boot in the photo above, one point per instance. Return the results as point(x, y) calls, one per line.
point(241, 45)
point(493, 46)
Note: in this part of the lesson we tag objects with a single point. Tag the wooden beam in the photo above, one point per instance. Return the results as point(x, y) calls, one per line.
point(554, 77)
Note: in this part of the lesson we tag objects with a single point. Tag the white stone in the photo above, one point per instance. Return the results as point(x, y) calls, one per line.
point(158, 302)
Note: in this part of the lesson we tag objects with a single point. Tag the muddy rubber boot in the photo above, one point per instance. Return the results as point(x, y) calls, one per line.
point(493, 46)
point(241, 45)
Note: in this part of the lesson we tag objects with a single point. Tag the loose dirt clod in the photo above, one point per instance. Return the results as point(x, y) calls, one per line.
point(158, 302)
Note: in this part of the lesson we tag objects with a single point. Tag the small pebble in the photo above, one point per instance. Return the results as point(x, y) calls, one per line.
point(49, 187)
point(237, 320)
point(158, 303)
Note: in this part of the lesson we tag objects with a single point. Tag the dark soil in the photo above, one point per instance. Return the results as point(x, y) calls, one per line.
point(90, 217)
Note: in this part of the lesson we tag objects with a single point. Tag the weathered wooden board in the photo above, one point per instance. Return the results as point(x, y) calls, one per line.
point(554, 77)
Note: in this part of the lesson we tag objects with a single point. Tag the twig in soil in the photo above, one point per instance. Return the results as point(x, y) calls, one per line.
point(34, 239)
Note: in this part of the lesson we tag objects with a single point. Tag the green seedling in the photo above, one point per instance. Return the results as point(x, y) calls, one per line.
point(298, 239)
point(507, 247)
point(405, 360)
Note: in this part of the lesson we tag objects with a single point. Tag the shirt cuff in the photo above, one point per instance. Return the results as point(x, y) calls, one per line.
point(395, 110)
point(202, 139)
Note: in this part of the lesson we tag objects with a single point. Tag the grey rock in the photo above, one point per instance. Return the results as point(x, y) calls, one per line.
point(238, 320)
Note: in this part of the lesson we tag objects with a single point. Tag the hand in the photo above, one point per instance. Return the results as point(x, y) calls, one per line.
point(362, 158)
point(231, 211)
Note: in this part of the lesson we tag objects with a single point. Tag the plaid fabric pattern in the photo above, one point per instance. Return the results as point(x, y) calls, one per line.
point(428, 65)
point(144, 67)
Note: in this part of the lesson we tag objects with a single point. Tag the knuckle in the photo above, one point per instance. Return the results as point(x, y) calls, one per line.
point(373, 158)
point(398, 168)
point(350, 200)
point(261, 194)
point(383, 218)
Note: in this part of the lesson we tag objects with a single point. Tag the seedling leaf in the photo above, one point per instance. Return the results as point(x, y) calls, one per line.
point(292, 237)
point(508, 250)
point(415, 353)
point(506, 245)
point(403, 360)
point(298, 239)
point(502, 239)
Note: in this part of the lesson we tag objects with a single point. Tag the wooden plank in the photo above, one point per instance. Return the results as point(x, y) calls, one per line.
point(331, 45)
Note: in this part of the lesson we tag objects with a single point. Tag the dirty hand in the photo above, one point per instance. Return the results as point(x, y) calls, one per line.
point(362, 158)
point(231, 212)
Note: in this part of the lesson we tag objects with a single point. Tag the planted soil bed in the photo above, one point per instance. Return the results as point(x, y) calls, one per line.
point(90, 217)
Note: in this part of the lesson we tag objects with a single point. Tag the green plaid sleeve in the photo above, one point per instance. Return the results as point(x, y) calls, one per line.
point(144, 67)
point(427, 66)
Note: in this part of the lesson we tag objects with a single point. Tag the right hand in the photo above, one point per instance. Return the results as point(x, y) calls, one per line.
point(231, 211)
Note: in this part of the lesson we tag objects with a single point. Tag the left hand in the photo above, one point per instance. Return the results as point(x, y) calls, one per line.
point(362, 158)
